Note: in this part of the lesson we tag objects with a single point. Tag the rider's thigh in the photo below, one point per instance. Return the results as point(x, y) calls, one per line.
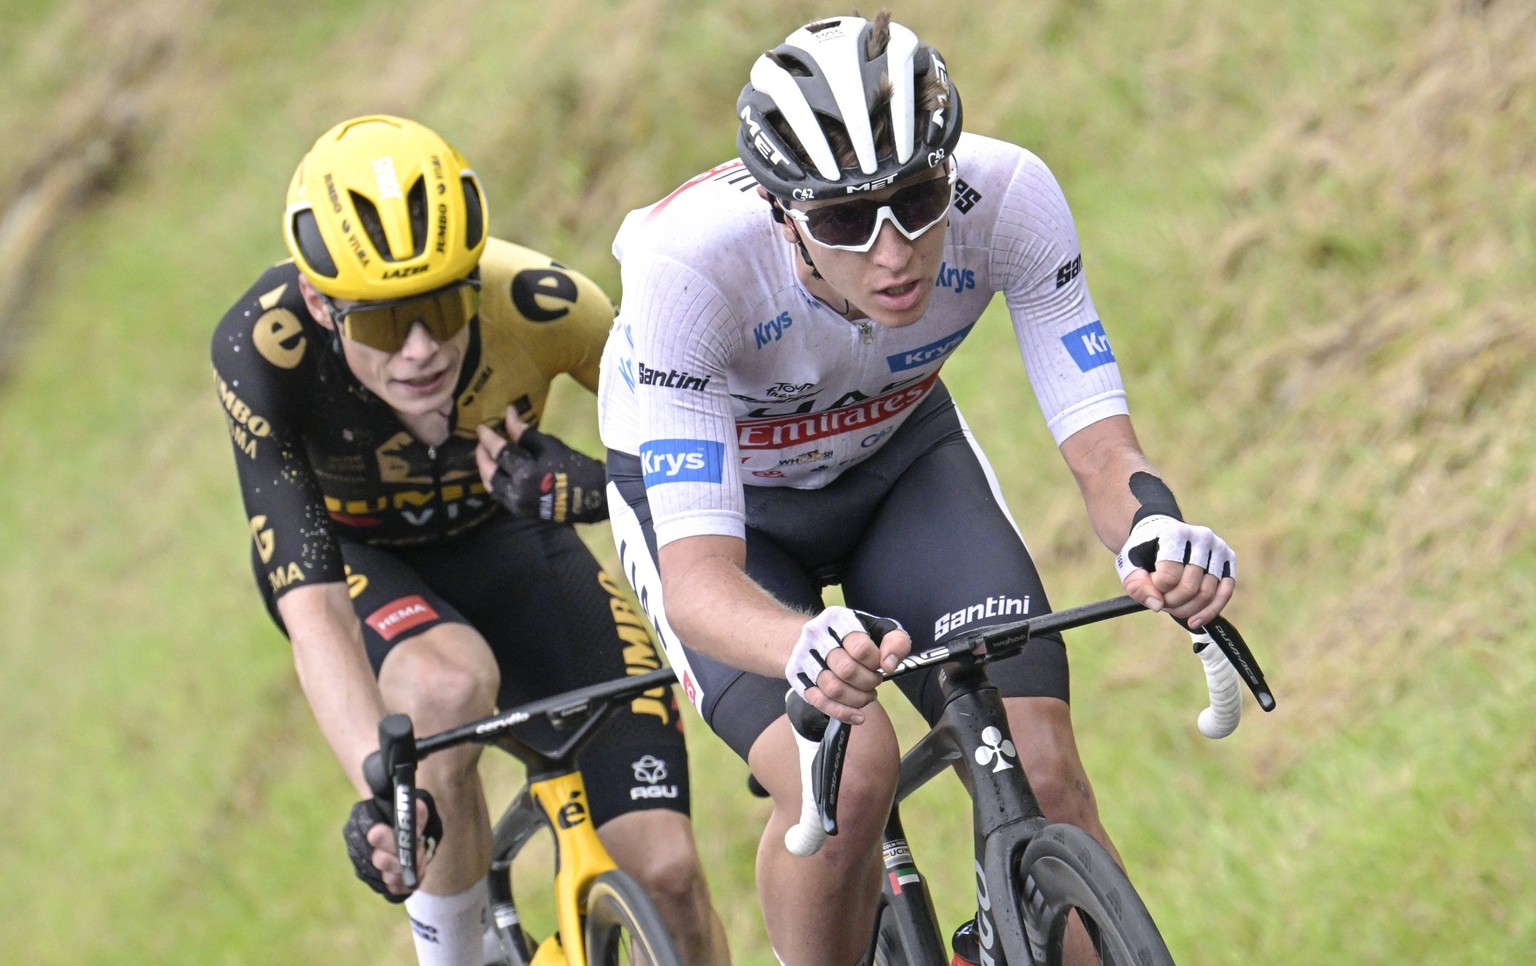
point(442, 677)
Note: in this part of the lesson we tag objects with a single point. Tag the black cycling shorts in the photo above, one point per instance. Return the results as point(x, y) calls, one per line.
point(554, 620)
point(917, 532)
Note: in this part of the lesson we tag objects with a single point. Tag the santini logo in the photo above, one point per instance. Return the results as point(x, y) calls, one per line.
point(682, 461)
point(671, 379)
point(991, 607)
point(1089, 346)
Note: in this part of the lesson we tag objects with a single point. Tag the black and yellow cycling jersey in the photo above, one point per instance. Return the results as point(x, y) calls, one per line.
point(320, 457)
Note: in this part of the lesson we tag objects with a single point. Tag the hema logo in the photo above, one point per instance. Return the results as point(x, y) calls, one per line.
point(1089, 346)
point(923, 355)
point(682, 461)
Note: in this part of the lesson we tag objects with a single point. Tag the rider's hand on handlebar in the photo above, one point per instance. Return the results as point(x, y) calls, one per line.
point(1183, 570)
point(370, 842)
point(836, 665)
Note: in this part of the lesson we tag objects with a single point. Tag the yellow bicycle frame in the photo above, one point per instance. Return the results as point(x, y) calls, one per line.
point(579, 858)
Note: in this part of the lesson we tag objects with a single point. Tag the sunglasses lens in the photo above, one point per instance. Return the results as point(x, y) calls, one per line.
point(853, 224)
point(917, 208)
point(385, 325)
point(850, 223)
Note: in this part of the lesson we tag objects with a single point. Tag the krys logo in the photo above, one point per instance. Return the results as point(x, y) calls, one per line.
point(772, 330)
point(958, 279)
point(682, 461)
point(922, 355)
point(1089, 346)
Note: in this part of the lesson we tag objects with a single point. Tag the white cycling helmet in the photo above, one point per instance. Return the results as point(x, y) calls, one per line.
point(824, 77)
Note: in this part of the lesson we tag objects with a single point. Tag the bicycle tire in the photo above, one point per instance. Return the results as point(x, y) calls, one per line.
point(623, 926)
point(1065, 869)
point(889, 949)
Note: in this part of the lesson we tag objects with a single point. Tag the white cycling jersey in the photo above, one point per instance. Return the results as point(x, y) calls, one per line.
point(722, 370)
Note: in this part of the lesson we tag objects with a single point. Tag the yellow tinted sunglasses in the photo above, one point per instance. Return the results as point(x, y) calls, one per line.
point(385, 324)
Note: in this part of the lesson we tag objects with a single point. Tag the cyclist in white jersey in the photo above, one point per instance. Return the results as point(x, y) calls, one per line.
point(771, 403)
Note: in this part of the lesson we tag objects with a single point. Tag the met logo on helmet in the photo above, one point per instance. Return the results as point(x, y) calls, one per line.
point(870, 185)
point(762, 144)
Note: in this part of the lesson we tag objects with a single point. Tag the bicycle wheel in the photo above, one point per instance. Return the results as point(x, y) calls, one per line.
point(623, 927)
point(889, 950)
point(1064, 870)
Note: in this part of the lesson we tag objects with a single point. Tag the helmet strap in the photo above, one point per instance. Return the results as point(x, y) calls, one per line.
point(778, 216)
point(805, 254)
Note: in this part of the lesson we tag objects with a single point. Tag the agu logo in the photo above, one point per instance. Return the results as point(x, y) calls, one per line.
point(1089, 346)
point(650, 773)
point(682, 461)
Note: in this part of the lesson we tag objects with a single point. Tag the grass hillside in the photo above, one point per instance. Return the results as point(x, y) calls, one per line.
point(1310, 229)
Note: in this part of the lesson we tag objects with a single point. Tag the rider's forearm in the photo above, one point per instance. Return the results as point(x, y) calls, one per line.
point(717, 610)
point(333, 670)
point(1102, 457)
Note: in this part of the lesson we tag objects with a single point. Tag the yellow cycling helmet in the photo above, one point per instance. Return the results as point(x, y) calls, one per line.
point(383, 208)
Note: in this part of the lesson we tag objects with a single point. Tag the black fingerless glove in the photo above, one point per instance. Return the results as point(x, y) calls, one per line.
point(370, 812)
point(541, 477)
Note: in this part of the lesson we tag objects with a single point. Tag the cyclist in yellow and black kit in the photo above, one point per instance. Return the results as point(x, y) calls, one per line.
point(417, 560)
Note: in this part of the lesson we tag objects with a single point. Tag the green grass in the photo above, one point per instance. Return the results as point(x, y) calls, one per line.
point(1307, 226)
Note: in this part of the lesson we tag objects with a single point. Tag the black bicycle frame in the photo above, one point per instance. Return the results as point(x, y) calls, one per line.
point(1004, 814)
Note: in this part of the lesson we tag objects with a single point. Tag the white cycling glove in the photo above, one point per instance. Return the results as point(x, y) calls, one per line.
point(1161, 537)
point(820, 636)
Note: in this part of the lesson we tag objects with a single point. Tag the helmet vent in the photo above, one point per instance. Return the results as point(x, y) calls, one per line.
point(372, 226)
point(474, 209)
point(306, 233)
point(416, 208)
point(793, 65)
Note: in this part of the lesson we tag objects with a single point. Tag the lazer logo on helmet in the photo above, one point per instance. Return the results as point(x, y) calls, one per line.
point(682, 461)
point(406, 272)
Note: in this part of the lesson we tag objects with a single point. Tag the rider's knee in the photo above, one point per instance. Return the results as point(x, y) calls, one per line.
point(668, 863)
point(1061, 786)
point(669, 870)
point(442, 688)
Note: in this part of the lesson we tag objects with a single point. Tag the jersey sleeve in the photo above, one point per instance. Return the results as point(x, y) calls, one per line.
point(258, 370)
point(675, 338)
point(1066, 351)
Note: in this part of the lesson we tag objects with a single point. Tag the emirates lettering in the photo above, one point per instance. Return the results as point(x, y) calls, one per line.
point(787, 431)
